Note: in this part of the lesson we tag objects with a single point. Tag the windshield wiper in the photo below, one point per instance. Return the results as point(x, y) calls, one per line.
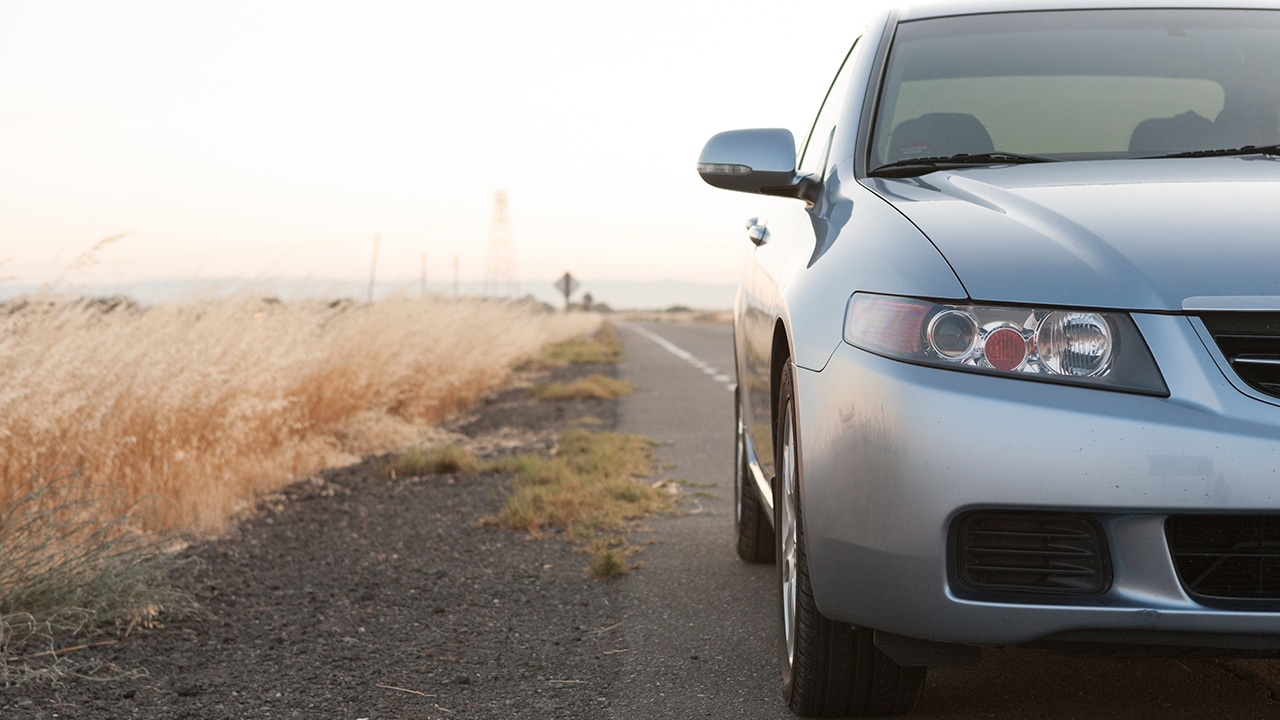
point(1227, 152)
point(915, 167)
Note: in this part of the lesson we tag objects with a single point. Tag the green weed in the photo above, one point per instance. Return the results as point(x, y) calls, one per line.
point(72, 569)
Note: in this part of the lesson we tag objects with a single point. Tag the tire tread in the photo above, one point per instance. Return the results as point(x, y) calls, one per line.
point(755, 535)
point(755, 543)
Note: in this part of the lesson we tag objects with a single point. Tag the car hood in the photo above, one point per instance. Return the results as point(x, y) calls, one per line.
point(1131, 234)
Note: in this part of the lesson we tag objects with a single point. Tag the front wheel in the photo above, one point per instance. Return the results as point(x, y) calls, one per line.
point(829, 668)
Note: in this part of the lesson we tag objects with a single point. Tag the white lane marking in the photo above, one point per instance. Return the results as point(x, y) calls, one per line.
point(685, 355)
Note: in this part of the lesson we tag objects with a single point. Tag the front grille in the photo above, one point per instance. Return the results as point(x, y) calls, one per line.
point(1031, 552)
point(1251, 343)
point(1233, 557)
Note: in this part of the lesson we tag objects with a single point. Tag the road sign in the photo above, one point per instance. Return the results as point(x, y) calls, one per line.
point(567, 285)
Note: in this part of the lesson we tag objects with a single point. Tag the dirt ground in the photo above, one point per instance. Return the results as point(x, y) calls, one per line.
point(356, 596)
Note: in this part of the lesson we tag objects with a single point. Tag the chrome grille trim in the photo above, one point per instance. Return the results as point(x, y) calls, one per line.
point(1250, 342)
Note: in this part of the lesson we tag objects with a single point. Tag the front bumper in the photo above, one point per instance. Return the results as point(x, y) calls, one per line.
point(892, 453)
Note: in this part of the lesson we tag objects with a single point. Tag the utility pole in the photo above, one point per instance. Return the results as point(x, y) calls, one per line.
point(455, 276)
point(422, 278)
point(500, 277)
point(373, 267)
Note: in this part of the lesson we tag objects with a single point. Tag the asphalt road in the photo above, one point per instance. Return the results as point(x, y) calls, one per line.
point(698, 631)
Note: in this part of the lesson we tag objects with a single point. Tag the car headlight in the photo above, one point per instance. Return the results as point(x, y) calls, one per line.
point(1084, 347)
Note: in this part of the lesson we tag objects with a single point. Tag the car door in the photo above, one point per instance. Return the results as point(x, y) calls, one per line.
point(792, 235)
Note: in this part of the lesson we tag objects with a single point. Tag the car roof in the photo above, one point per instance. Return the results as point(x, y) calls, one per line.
point(975, 7)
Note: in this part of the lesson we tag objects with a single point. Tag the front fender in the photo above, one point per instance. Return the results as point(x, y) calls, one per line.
point(862, 243)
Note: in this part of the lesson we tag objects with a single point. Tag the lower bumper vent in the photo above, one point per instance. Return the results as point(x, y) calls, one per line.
point(1232, 557)
point(1031, 552)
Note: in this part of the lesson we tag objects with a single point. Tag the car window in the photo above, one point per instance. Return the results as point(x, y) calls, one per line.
point(1081, 84)
point(813, 157)
point(1060, 115)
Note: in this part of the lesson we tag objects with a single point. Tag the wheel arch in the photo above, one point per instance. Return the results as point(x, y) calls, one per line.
point(780, 355)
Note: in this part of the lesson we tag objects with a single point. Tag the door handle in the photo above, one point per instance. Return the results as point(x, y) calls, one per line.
point(757, 233)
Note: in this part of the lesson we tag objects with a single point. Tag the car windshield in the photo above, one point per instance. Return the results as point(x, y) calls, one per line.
point(1080, 85)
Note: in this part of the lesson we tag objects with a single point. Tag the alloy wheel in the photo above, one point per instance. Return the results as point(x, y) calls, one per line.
point(788, 530)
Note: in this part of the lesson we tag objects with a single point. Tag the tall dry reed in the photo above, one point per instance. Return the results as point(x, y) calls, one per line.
point(197, 406)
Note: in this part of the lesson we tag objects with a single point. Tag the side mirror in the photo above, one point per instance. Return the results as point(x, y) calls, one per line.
point(759, 161)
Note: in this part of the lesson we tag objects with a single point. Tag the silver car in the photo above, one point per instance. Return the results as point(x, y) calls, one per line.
point(1009, 355)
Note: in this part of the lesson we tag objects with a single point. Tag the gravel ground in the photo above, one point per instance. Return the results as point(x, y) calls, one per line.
point(355, 597)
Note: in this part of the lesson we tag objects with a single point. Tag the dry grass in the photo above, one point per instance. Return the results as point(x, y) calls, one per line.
point(588, 487)
point(592, 387)
point(601, 347)
point(201, 405)
point(589, 490)
point(173, 418)
point(678, 315)
point(610, 557)
point(437, 461)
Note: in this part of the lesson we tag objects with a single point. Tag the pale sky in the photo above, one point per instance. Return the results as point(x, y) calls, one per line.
point(274, 138)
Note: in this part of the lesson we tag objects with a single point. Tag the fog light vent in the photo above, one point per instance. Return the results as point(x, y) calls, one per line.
point(1032, 552)
point(1227, 556)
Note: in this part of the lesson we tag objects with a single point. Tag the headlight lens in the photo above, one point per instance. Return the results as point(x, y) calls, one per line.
point(1075, 343)
point(1058, 345)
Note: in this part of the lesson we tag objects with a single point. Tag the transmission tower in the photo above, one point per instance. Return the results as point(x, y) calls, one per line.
point(500, 277)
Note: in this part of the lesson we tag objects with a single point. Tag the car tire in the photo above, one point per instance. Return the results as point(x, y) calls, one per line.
point(829, 668)
point(750, 522)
